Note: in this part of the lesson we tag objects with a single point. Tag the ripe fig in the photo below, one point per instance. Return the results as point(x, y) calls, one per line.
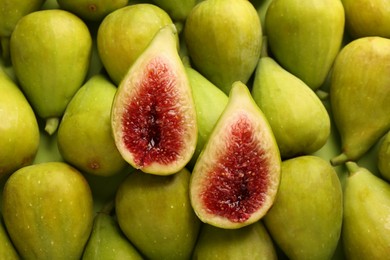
point(383, 160)
point(125, 33)
point(305, 36)
point(249, 242)
point(306, 217)
point(360, 95)
point(48, 211)
point(54, 63)
point(178, 10)
point(366, 215)
point(299, 119)
point(236, 177)
point(224, 39)
point(85, 142)
point(155, 214)
point(7, 249)
point(153, 114)
point(19, 131)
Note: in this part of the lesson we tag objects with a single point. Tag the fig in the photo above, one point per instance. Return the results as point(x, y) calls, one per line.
point(19, 131)
point(383, 160)
point(178, 10)
point(48, 211)
point(85, 142)
point(236, 177)
point(53, 66)
point(153, 113)
point(360, 96)
point(306, 217)
point(7, 249)
point(94, 10)
point(125, 33)
point(366, 215)
point(299, 119)
point(305, 36)
point(249, 242)
point(210, 101)
point(155, 214)
point(222, 45)
point(367, 18)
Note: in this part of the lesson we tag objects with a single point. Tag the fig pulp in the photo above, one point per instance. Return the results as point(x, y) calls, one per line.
point(153, 115)
point(236, 177)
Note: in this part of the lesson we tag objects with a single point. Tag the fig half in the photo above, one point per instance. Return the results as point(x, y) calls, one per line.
point(153, 115)
point(237, 174)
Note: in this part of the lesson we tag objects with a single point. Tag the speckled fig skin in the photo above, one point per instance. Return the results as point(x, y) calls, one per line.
point(306, 217)
point(250, 242)
point(305, 36)
point(366, 215)
point(48, 211)
point(53, 66)
point(299, 119)
point(19, 131)
point(383, 159)
point(224, 39)
point(7, 250)
point(360, 96)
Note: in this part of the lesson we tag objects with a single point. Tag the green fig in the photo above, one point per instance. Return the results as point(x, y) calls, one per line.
point(366, 220)
point(383, 160)
point(19, 131)
point(224, 39)
point(48, 211)
point(7, 249)
point(178, 10)
point(54, 63)
point(92, 10)
point(84, 141)
point(299, 119)
point(249, 242)
point(153, 114)
point(125, 33)
point(210, 101)
point(305, 36)
point(155, 214)
point(236, 177)
point(360, 96)
point(367, 18)
point(306, 218)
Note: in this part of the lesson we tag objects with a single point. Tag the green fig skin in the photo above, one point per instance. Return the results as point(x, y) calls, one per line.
point(250, 242)
point(223, 46)
point(305, 36)
point(53, 66)
point(85, 142)
point(360, 96)
point(48, 211)
point(108, 242)
point(7, 250)
point(19, 131)
point(178, 10)
point(367, 18)
point(210, 101)
point(155, 214)
point(299, 119)
point(383, 159)
point(306, 217)
point(366, 215)
point(125, 33)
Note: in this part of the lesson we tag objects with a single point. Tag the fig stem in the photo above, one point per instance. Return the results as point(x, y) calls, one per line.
point(108, 207)
point(352, 167)
point(264, 47)
point(339, 159)
point(52, 125)
point(322, 95)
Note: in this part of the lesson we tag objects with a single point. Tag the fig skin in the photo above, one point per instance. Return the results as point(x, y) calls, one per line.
point(178, 10)
point(125, 33)
point(236, 177)
point(48, 211)
point(299, 119)
point(383, 159)
point(85, 142)
point(306, 217)
point(7, 250)
point(224, 39)
point(366, 215)
point(53, 66)
point(19, 131)
point(360, 96)
point(305, 36)
point(155, 214)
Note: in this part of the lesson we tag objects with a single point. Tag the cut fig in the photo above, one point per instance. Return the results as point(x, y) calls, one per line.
point(153, 115)
point(236, 177)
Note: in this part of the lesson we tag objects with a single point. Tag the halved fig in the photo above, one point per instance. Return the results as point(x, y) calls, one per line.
point(153, 116)
point(236, 177)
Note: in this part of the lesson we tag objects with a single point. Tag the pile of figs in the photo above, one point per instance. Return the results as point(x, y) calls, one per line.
point(195, 129)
